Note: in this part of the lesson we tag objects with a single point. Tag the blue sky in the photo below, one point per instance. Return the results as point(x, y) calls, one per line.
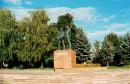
point(96, 17)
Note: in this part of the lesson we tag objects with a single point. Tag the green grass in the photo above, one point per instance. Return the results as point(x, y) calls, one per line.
point(119, 67)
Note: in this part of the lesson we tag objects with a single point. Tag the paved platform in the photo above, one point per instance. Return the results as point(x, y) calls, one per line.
point(66, 76)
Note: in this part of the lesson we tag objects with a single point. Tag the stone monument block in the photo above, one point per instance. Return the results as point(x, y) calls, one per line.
point(64, 59)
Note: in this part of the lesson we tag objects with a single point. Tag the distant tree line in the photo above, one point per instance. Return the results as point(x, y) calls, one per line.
point(30, 42)
point(113, 50)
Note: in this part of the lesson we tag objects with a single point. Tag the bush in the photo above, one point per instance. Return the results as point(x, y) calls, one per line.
point(87, 65)
point(49, 62)
point(19, 67)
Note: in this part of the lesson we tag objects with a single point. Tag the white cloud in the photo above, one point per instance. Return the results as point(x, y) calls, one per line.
point(83, 13)
point(107, 19)
point(118, 25)
point(21, 12)
point(13, 1)
point(99, 35)
point(87, 13)
point(55, 12)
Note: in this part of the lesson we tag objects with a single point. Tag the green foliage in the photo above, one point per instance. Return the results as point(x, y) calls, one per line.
point(96, 52)
point(31, 41)
point(49, 62)
point(7, 20)
point(39, 17)
point(26, 41)
point(82, 47)
point(114, 39)
point(123, 51)
point(65, 20)
point(36, 38)
point(107, 52)
point(7, 26)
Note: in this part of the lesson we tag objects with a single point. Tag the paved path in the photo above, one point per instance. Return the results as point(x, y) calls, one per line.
point(71, 76)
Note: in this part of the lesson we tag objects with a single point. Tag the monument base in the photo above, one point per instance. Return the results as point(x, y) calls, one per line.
point(64, 59)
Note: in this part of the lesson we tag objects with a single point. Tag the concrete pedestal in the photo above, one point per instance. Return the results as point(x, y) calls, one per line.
point(64, 59)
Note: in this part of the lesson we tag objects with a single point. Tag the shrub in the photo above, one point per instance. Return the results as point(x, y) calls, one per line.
point(49, 62)
point(87, 65)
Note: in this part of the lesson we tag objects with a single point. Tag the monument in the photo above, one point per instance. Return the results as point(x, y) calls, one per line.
point(64, 57)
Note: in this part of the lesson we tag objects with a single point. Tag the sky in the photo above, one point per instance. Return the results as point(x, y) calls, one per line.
point(96, 17)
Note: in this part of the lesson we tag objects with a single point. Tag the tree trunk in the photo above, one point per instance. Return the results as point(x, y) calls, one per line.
point(42, 64)
point(107, 64)
point(42, 58)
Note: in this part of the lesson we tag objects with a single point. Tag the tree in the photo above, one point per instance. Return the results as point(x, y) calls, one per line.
point(65, 20)
point(8, 24)
point(82, 47)
point(35, 41)
point(107, 52)
point(39, 16)
point(96, 52)
point(114, 39)
point(123, 51)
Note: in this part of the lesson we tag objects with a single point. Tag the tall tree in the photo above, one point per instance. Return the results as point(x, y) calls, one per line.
point(7, 26)
point(107, 52)
point(96, 52)
point(116, 42)
point(82, 47)
point(123, 51)
point(35, 39)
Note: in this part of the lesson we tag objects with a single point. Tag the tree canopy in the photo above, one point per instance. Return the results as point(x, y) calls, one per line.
point(30, 42)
